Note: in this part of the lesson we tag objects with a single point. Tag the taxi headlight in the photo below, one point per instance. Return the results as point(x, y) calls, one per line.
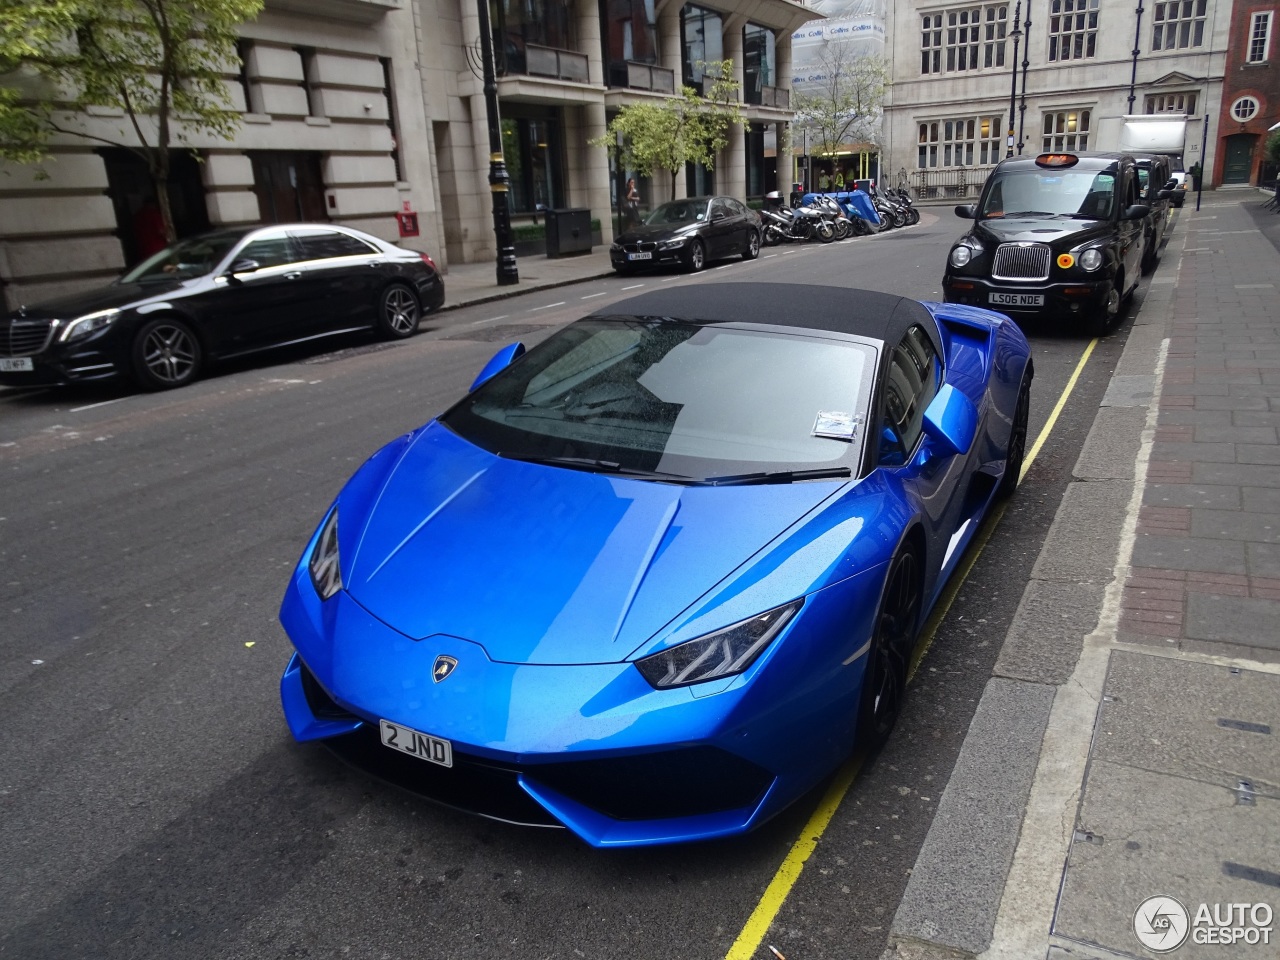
point(960, 255)
point(1091, 259)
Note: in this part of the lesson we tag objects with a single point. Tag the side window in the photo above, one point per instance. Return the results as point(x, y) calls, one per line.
point(910, 387)
point(719, 209)
point(269, 252)
point(323, 246)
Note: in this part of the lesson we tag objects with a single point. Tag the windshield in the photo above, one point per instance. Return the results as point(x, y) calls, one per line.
point(678, 398)
point(678, 211)
point(1086, 194)
point(185, 259)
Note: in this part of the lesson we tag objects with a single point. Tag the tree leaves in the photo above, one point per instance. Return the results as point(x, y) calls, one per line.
point(844, 100)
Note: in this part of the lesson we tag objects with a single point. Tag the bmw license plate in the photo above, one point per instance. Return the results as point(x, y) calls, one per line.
point(639, 256)
point(1017, 299)
point(16, 365)
point(420, 745)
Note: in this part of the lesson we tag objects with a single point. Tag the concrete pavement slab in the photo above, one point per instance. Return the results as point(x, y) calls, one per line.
point(1201, 495)
point(1189, 553)
point(1249, 621)
point(1043, 644)
point(1086, 528)
point(1108, 450)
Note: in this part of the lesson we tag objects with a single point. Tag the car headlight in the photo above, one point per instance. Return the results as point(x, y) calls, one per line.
point(1091, 259)
point(960, 255)
point(90, 323)
point(673, 243)
point(615, 247)
point(326, 576)
point(724, 653)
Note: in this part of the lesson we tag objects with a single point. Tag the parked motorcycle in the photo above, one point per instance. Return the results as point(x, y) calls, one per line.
point(782, 225)
point(913, 215)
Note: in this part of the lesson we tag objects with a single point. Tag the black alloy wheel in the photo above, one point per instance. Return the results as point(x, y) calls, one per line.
point(398, 312)
point(1108, 317)
point(884, 679)
point(696, 258)
point(166, 354)
point(1016, 451)
point(752, 249)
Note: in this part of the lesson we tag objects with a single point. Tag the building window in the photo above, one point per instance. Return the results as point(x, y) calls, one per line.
point(1259, 37)
point(1073, 29)
point(545, 23)
point(631, 35)
point(242, 51)
point(1179, 24)
point(1066, 131)
point(968, 39)
point(1245, 109)
point(758, 62)
point(534, 155)
point(1171, 103)
point(702, 33)
point(963, 142)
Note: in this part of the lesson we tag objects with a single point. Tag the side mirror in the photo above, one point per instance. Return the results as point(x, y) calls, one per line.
point(1165, 194)
point(951, 421)
point(1139, 211)
point(967, 211)
point(501, 360)
point(1172, 184)
point(244, 266)
point(718, 215)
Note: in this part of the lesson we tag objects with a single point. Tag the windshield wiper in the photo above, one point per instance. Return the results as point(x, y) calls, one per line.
point(780, 476)
point(598, 466)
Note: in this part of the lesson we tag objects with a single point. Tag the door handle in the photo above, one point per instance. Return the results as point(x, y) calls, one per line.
point(377, 263)
point(294, 275)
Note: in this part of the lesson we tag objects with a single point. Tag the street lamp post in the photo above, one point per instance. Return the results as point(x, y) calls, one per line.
point(1137, 49)
point(499, 180)
point(1016, 33)
point(1026, 62)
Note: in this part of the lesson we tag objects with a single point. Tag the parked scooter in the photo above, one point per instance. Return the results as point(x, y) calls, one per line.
point(913, 215)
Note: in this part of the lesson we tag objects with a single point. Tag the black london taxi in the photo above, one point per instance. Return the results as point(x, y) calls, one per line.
point(1060, 235)
point(1154, 175)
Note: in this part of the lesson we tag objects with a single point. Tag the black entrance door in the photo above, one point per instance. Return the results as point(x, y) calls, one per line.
point(1239, 158)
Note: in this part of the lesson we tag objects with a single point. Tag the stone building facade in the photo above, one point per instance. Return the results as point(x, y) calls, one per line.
point(1070, 70)
point(357, 110)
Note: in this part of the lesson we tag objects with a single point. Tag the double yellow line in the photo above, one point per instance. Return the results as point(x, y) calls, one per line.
point(757, 925)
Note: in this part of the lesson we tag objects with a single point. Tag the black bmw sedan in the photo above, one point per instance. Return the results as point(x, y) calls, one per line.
point(222, 294)
point(688, 233)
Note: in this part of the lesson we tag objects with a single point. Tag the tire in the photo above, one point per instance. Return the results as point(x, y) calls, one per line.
point(844, 229)
point(166, 354)
point(884, 679)
point(899, 219)
point(1108, 317)
point(753, 245)
point(399, 312)
point(1016, 451)
point(913, 216)
point(696, 258)
point(772, 235)
point(825, 231)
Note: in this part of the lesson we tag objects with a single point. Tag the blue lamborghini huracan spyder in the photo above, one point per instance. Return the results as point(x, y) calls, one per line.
point(655, 578)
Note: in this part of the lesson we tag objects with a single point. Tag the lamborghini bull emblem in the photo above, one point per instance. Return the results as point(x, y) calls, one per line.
point(443, 668)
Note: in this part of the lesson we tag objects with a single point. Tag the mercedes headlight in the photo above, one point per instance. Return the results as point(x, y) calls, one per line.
point(326, 576)
point(673, 243)
point(960, 255)
point(1091, 259)
point(90, 323)
point(724, 653)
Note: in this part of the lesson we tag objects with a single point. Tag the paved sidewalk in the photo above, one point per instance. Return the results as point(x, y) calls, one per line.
point(1139, 746)
point(468, 283)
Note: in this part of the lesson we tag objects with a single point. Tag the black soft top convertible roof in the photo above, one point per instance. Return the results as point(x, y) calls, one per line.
point(863, 313)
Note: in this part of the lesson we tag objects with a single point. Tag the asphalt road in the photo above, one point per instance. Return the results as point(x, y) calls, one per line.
point(152, 802)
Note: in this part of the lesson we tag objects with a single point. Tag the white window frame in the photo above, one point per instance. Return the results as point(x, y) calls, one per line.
point(1176, 101)
point(1183, 20)
point(1249, 104)
point(963, 39)
point(1066, 130)
point(972, 141)
point(1259, 39)
point(1073, 30)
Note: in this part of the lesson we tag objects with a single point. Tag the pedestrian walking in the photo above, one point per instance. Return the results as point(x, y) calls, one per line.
point(633, 201)
point(824, 181)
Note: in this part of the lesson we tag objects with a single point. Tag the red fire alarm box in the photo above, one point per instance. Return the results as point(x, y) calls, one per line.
point(408, 223)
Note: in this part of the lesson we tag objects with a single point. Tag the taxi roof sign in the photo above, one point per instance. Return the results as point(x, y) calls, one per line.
point(1057, 160)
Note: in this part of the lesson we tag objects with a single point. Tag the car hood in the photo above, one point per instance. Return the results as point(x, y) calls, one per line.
point(657, 231)
point(100, 298)
point(1030, 230)
point(546, 565)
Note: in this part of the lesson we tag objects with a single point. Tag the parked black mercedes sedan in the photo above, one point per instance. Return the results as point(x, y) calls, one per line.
point(221, 294)
point(1057, 235)
point(688, 233)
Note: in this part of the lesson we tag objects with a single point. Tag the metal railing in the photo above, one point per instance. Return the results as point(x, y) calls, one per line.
point(646, 76)
point(947, 183)
point(552, 62)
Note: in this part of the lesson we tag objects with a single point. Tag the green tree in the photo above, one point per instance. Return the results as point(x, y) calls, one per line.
point(1273, 147)
point(689, 128)
point(161, 62)
point(843, 103)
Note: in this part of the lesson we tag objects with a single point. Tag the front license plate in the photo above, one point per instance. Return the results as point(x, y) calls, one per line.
point(16, 365)
point(420, 745)
point(639, 256)
point(1018, 299)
